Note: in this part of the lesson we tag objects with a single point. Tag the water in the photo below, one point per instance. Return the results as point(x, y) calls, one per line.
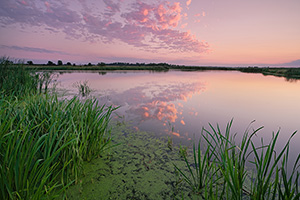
point(179, 104)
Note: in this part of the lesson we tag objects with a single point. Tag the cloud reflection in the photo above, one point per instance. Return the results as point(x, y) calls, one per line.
point(158, 102)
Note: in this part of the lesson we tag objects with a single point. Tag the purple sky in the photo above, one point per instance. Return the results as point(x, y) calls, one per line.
point(190, 32)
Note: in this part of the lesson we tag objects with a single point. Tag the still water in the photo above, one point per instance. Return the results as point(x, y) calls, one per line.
point(179, 104)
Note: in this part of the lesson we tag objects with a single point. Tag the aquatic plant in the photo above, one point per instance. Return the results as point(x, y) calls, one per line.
point(43, 140)
point(182, 150)
point(15, 79)
point(44, 81)
point(170, 143)
point(266, 163)
point(288, 186)
point(83, 88)
point(204, 173)
point(221, 172)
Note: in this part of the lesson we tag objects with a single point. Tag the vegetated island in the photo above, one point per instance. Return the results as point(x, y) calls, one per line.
point(287, 72)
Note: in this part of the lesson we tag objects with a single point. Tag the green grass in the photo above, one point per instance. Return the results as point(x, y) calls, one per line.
point(221, 172)
point(15, 80)
point(83, 88)
point(44, 140)
point(205, 173)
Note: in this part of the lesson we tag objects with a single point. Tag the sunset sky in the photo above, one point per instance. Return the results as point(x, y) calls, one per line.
point(189, 32)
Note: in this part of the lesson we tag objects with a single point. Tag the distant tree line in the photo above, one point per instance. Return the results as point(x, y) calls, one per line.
point(60, 63)
point(50, 63)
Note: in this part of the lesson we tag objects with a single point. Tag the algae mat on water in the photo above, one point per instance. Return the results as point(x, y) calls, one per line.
point(141, 167)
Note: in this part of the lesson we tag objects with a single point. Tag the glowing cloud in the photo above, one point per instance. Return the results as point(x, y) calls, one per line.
point(146, 26)
point(188, 2)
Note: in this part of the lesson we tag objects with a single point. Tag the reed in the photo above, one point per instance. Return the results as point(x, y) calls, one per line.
point(204, 174)
point(221, 173)
point(15, 80)
point(44, 140)
point(83, 88)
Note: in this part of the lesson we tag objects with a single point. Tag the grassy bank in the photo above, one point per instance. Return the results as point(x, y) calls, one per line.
point(44, 141)
point(289, 73)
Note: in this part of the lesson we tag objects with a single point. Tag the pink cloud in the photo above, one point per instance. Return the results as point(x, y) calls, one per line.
point(112, 7)
point(23, 2)
point(157, 17)
point(188, 2)
point(152, 26)
point(47, 4)
point(155, 22)
point(203, 14)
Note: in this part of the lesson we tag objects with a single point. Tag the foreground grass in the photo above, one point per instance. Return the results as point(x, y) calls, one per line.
point(44, 141)
point(220, 173)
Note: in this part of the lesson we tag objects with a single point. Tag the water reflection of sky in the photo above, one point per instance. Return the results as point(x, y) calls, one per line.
point(181, 103)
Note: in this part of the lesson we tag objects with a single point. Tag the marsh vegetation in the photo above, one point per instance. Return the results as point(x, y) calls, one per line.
point(44, 141)
point(47, 143)
point(221, 172)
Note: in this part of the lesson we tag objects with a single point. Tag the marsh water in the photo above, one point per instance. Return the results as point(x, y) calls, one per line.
point(177, 105)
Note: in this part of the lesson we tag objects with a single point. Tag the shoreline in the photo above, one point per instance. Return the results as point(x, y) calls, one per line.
point(288, 73)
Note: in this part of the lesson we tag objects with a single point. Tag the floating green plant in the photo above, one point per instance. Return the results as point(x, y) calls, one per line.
point(170, 143)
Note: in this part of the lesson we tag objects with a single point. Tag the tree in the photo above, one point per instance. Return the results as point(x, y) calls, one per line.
point(101, 64)
point(50, 63)
point(90, 64)
point(69, 64)
point(59, 62)
point(29, 62)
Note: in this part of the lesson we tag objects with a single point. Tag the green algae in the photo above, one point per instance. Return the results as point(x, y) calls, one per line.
point(141, 167)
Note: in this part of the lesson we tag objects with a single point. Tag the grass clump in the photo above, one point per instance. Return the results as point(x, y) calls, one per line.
point(43, 140)
point(15, 80)
point(221, 173)
point(83, 88)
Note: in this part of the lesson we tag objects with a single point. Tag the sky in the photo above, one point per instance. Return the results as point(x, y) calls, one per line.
point(185, 32)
